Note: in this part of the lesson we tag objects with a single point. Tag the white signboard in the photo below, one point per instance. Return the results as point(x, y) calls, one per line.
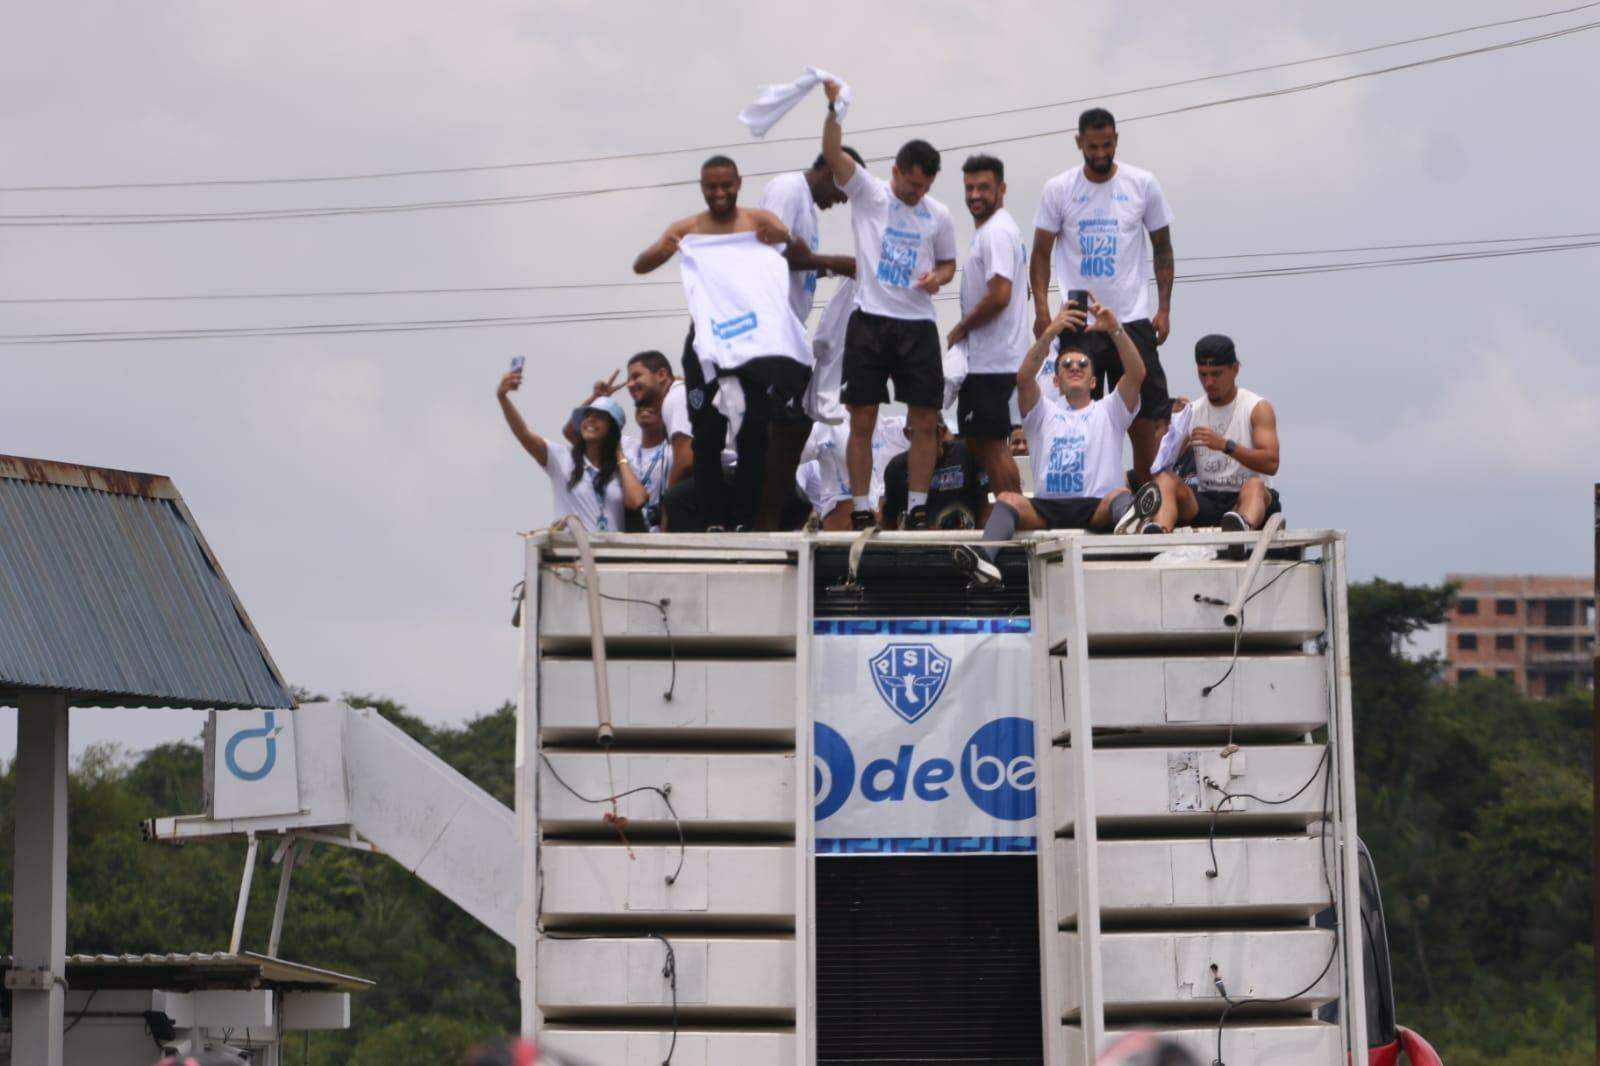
point(924, 735)
point(254, 773)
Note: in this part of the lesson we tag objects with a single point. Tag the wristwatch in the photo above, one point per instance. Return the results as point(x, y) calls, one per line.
point(1227, 448)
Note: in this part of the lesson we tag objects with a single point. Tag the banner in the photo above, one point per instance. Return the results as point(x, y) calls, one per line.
point(924, 735)
point(254, 773)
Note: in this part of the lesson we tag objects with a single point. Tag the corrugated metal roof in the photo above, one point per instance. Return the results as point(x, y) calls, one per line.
point(109, 591)
point(246, 969)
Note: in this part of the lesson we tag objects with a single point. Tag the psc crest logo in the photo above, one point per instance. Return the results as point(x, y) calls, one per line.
point(910, 678)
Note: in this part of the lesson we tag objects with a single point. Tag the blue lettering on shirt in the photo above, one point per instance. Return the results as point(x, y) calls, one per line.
point(947, 478)
point(733, 327)
point(1097, 247)
point(897, 258)
point(1064, 475)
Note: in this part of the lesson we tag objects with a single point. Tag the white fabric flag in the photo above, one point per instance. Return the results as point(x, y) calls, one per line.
point(775, 101)
point(1177, 433)
point(955, 371)
point(738, 293)
point(827, 345)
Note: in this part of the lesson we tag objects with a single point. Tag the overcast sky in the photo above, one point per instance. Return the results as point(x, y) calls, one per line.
point(362, 492)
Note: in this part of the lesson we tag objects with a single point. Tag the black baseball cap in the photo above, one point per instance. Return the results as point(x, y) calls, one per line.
point(1215, 349)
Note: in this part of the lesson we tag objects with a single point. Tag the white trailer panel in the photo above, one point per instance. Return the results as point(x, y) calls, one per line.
point(752, 792)
point(602, 882)
point(703, 600)
point(1167, 880)
point(1265, 1043)
point(612, 1047)
point(1166, 787)
point(1167, 974)
point(719, 696)
point(1281, 693)
point(624, 974)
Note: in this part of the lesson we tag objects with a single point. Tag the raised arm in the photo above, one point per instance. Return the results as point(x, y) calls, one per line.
point(1028, 373)
point(843, 167)
point(1161, 246)
point(531, 441)
point(1044, 242)
point(664, 248)
point(1105, 321)
point(634, 494)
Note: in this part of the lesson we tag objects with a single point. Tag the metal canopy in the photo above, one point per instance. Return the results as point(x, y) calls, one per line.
point(109, 593)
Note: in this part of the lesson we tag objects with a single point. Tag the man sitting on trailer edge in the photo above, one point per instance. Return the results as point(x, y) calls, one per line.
point(1075, 446)
point(1234, 433)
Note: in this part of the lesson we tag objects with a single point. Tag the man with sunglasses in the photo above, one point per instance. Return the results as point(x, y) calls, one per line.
point(1074, 445)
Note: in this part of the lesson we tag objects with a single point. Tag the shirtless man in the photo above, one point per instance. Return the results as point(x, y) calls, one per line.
point(760, 486)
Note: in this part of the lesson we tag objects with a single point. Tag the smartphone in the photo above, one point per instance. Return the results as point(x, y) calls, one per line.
point(517, 362)
point(1079, 298)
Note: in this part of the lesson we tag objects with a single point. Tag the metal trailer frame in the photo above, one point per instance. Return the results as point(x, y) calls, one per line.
point(1076, 550)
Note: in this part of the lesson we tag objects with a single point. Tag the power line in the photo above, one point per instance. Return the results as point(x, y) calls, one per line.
point(279, 214)
point(613, 285)
point(649, 314)
point(619, 156)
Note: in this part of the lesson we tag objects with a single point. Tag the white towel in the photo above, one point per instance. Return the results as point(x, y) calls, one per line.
point(1177, 433)
point(955, 371)
point(730, 401)
point(827, 345)
point(775, 101)
point(738, 293)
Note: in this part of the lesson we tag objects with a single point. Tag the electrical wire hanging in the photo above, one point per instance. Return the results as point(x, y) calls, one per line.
point(657, 153)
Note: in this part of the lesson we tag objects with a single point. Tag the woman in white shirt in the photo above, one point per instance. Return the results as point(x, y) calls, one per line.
point(591, 478)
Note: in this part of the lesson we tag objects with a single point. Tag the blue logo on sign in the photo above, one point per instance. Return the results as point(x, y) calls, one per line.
point(910, 677)
point(269, 732)
point(998, 771)
point(732, 327)
point(833, 769)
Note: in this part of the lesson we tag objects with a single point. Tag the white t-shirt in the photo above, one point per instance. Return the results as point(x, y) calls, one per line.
point(675, 411)
point(738, 293)
point(652, 466)
point(789, 197)
point(895, 245)
point(1100, 230)
point(888, 440)
point(1218, 471)
point(825, 449)
point(1077, 453)
point(597, 515)
point(997, 346)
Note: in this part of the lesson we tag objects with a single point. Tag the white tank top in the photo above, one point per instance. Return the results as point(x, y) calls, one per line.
point(1218, 471)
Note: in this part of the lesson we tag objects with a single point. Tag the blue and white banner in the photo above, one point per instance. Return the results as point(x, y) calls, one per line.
point(924, 735)
point(254, 771)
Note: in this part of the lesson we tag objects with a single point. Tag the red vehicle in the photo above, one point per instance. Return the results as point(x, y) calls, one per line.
point(1386, 1038)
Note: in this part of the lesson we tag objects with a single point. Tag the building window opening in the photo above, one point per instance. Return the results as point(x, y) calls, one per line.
point(1467, 641)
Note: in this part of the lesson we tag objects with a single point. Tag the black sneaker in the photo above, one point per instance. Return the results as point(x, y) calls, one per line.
point(1153, 528)
point(916, 518)
point(1233, 522)
point(1147, 501)
point(860, 520)
point(977, 566)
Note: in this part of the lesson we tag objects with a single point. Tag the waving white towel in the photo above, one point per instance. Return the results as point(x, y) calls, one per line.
point(1177, 434)
point(955, 371)
point(827, 344)
point(775, 101)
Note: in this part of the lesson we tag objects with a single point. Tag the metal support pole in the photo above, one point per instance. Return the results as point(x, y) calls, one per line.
point(288, 854)
point(1594, 687)
point(1268, 530)
point(38, 979)
point(244, 894)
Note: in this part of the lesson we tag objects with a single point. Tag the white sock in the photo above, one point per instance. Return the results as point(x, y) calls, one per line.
point(861, 503)
point(915, 500)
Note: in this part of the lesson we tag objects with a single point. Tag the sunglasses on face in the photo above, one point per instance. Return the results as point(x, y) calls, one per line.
point(1075, 364)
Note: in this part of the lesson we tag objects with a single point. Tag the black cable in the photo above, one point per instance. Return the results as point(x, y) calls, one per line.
point(614, 157)
point(660, 605)
point(669, 970)
point(633, 314)
point(318, 294)
point(683, 846)
point(278, 214)
point(81, 1013)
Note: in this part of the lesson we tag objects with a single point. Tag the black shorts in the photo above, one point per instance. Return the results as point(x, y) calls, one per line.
point(1154, 402)
point(984, 410)
point(878, 349)
point(1213, 505)
point(782, 380)
point(1066, 514)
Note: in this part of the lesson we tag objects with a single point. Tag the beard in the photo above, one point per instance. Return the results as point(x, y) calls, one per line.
point(1102, 166)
